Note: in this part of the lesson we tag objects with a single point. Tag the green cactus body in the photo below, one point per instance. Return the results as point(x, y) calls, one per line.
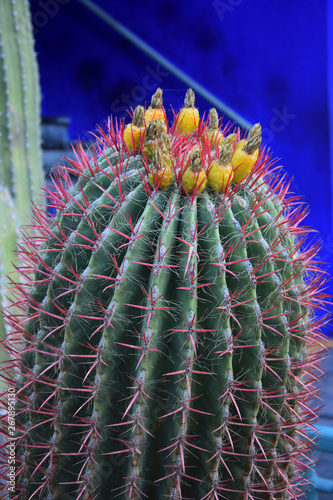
point(165, 343)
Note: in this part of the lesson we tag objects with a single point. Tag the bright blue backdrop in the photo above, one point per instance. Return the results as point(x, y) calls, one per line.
point(267, 60)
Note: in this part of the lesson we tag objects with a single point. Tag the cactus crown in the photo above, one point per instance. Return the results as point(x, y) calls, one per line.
point(166, 343)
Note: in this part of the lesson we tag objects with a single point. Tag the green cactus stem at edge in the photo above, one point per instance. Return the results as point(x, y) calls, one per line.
point(169, 340)
point(21, 172)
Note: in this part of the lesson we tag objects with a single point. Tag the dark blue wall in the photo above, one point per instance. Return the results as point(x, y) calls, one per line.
point(268, 60)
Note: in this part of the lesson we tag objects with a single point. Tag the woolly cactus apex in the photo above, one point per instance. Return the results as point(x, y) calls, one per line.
point(195, 159)
point(188, 117)
point(254, 139)
point(155, 110)
point(194, 178)
point(138, 116)
point(156, 100)
point(151, 131)
point(229, 139)
point(150, 141)
point(189, 100)
point(165, 143)
point(213, 119)
point(220, 173)
point(161, 175)
point(226, 154)
point(167, 345)
point(246, 153)
point(160, 127)
point(213, 134)
point(134, 132)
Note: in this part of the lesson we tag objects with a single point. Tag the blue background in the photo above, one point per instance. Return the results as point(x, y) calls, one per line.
point(270, 61)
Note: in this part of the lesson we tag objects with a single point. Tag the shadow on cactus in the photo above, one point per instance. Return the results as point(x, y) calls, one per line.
point(169, 343)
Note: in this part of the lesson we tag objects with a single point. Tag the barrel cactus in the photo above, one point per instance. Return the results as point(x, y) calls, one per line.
point(167, 345)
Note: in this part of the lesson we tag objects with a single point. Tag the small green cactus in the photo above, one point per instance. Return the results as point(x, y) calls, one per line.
point(167, 346)
point(21, 172)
